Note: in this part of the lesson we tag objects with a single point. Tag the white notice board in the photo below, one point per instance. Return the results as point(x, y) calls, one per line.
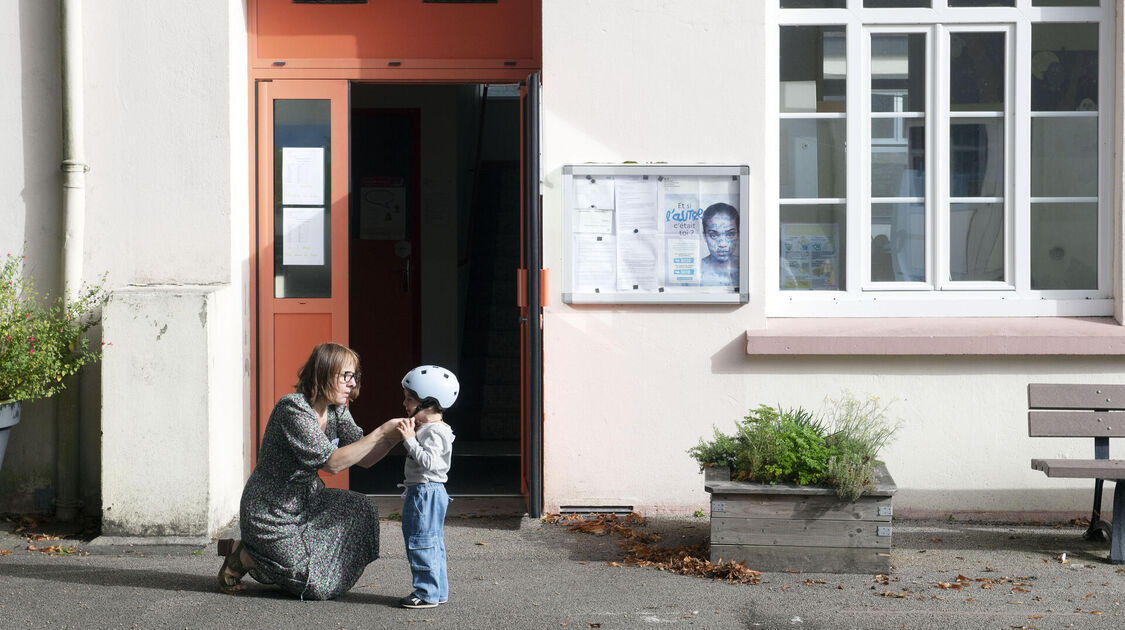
point(640, 233)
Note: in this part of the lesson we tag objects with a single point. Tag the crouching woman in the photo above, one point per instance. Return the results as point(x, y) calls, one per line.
point(311, 541)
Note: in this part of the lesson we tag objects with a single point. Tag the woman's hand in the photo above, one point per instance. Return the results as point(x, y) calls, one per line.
point(369, 449)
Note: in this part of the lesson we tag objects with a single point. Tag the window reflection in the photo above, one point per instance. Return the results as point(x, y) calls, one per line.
point(813, 69)
point(1064, 246)
point(1064, 67)
point(976, 241)
point(976, 71)
point(898, 242)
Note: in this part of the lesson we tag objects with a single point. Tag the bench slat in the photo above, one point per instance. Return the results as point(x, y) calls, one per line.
point(1081, 468)
point(1076, 424)
point(1075, 396)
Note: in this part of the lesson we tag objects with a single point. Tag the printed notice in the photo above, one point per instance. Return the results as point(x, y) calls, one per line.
point(681, 207)
point(683, 261)
point(637, 208)
point(593, 192)
point(595, 263)
point(638, 262)
point(302, 176)
point(593, 221)
point(302, 236)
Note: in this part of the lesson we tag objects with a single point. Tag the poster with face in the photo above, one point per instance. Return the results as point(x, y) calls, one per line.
point(719, 227)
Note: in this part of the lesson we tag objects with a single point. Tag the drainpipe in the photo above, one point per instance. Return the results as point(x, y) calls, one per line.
point(74, 225)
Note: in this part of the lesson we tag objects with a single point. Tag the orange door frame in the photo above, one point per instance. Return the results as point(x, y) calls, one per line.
point(385, 70)
point(291, 325)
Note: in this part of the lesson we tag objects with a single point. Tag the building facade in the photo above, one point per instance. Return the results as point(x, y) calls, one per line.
point(394, 175)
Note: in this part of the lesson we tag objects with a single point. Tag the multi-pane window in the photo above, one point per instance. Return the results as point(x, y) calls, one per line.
point(944, 157)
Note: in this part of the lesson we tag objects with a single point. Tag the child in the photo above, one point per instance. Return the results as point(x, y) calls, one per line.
point(428, 391)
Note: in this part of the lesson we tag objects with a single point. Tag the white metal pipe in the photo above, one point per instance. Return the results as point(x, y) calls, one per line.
point(74, 228)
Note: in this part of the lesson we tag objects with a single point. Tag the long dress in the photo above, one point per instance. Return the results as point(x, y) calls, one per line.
point(310, 540)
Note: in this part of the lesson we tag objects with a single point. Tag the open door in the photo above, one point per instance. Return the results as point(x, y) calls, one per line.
point(530, 301)
point(302, 232)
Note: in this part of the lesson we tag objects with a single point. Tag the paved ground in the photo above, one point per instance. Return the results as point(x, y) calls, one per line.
point(512, 572)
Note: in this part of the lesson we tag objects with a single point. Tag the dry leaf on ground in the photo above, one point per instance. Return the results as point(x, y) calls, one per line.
point(640, 551)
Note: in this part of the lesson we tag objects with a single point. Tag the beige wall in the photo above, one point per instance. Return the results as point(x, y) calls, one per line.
point(628, 389)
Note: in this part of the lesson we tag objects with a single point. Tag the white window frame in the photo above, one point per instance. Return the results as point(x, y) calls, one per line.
point(938, 297)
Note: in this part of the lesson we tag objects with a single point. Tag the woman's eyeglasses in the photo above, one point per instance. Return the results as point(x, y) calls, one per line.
point(348, 376)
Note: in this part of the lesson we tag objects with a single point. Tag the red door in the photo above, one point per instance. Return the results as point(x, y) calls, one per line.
point(302, 238)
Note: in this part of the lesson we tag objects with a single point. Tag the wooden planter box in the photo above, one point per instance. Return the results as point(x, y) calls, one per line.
point(786, 527)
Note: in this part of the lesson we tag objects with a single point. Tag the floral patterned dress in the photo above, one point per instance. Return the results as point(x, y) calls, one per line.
point(310, 540)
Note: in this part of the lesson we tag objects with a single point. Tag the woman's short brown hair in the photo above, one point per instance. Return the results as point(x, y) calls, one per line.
point(320, 371)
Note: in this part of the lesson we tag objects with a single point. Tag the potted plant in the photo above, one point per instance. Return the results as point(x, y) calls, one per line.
point(40, 343)
point(791, 490)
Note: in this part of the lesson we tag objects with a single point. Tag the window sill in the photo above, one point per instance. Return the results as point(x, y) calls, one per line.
point(1078, 336)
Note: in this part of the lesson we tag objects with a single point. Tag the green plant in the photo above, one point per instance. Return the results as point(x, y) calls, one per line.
point(721, 451)
point(700, 514)
point(860, 429)
point(41, 344)
point(771, 445)
point(781, 445)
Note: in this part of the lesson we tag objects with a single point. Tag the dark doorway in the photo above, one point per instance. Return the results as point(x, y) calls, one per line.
point(435, 185)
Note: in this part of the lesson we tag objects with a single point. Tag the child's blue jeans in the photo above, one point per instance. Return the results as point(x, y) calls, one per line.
point(423, 528)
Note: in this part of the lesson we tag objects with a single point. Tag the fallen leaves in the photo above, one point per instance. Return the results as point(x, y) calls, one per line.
point(641, 552)
point(27, 523)
point(55, 550)
point(5, 552)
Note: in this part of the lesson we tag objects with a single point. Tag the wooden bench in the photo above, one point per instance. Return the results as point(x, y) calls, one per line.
point(1089, 411)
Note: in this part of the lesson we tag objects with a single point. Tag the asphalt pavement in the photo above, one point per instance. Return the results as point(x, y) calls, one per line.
point(509, 571)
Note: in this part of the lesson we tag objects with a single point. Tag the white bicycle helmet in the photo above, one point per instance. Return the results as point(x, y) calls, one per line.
point(432, 382)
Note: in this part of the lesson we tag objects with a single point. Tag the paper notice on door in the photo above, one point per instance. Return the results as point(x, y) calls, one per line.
point(382, 213)
point(302, 236)
point(302, 176)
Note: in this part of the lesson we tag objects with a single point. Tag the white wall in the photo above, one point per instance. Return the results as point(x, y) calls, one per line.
point(30, 207)
point(628, 389)
point(167, 204)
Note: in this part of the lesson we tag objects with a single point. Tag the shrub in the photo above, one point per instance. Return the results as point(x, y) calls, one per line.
point(41, 344)
point(781, 445)
point(861, 429)
point(773, 445)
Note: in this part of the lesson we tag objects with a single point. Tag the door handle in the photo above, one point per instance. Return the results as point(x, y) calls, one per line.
point(406, 275)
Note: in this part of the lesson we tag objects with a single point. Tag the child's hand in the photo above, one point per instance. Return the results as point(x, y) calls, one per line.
point(406, 428)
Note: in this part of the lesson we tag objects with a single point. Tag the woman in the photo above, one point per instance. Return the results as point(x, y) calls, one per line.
point(310, 540)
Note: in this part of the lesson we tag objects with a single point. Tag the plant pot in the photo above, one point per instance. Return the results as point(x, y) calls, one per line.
point(786, 527)
point(9, 417)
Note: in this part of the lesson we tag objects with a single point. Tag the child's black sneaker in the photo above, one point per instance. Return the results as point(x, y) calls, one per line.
point(413, 601)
